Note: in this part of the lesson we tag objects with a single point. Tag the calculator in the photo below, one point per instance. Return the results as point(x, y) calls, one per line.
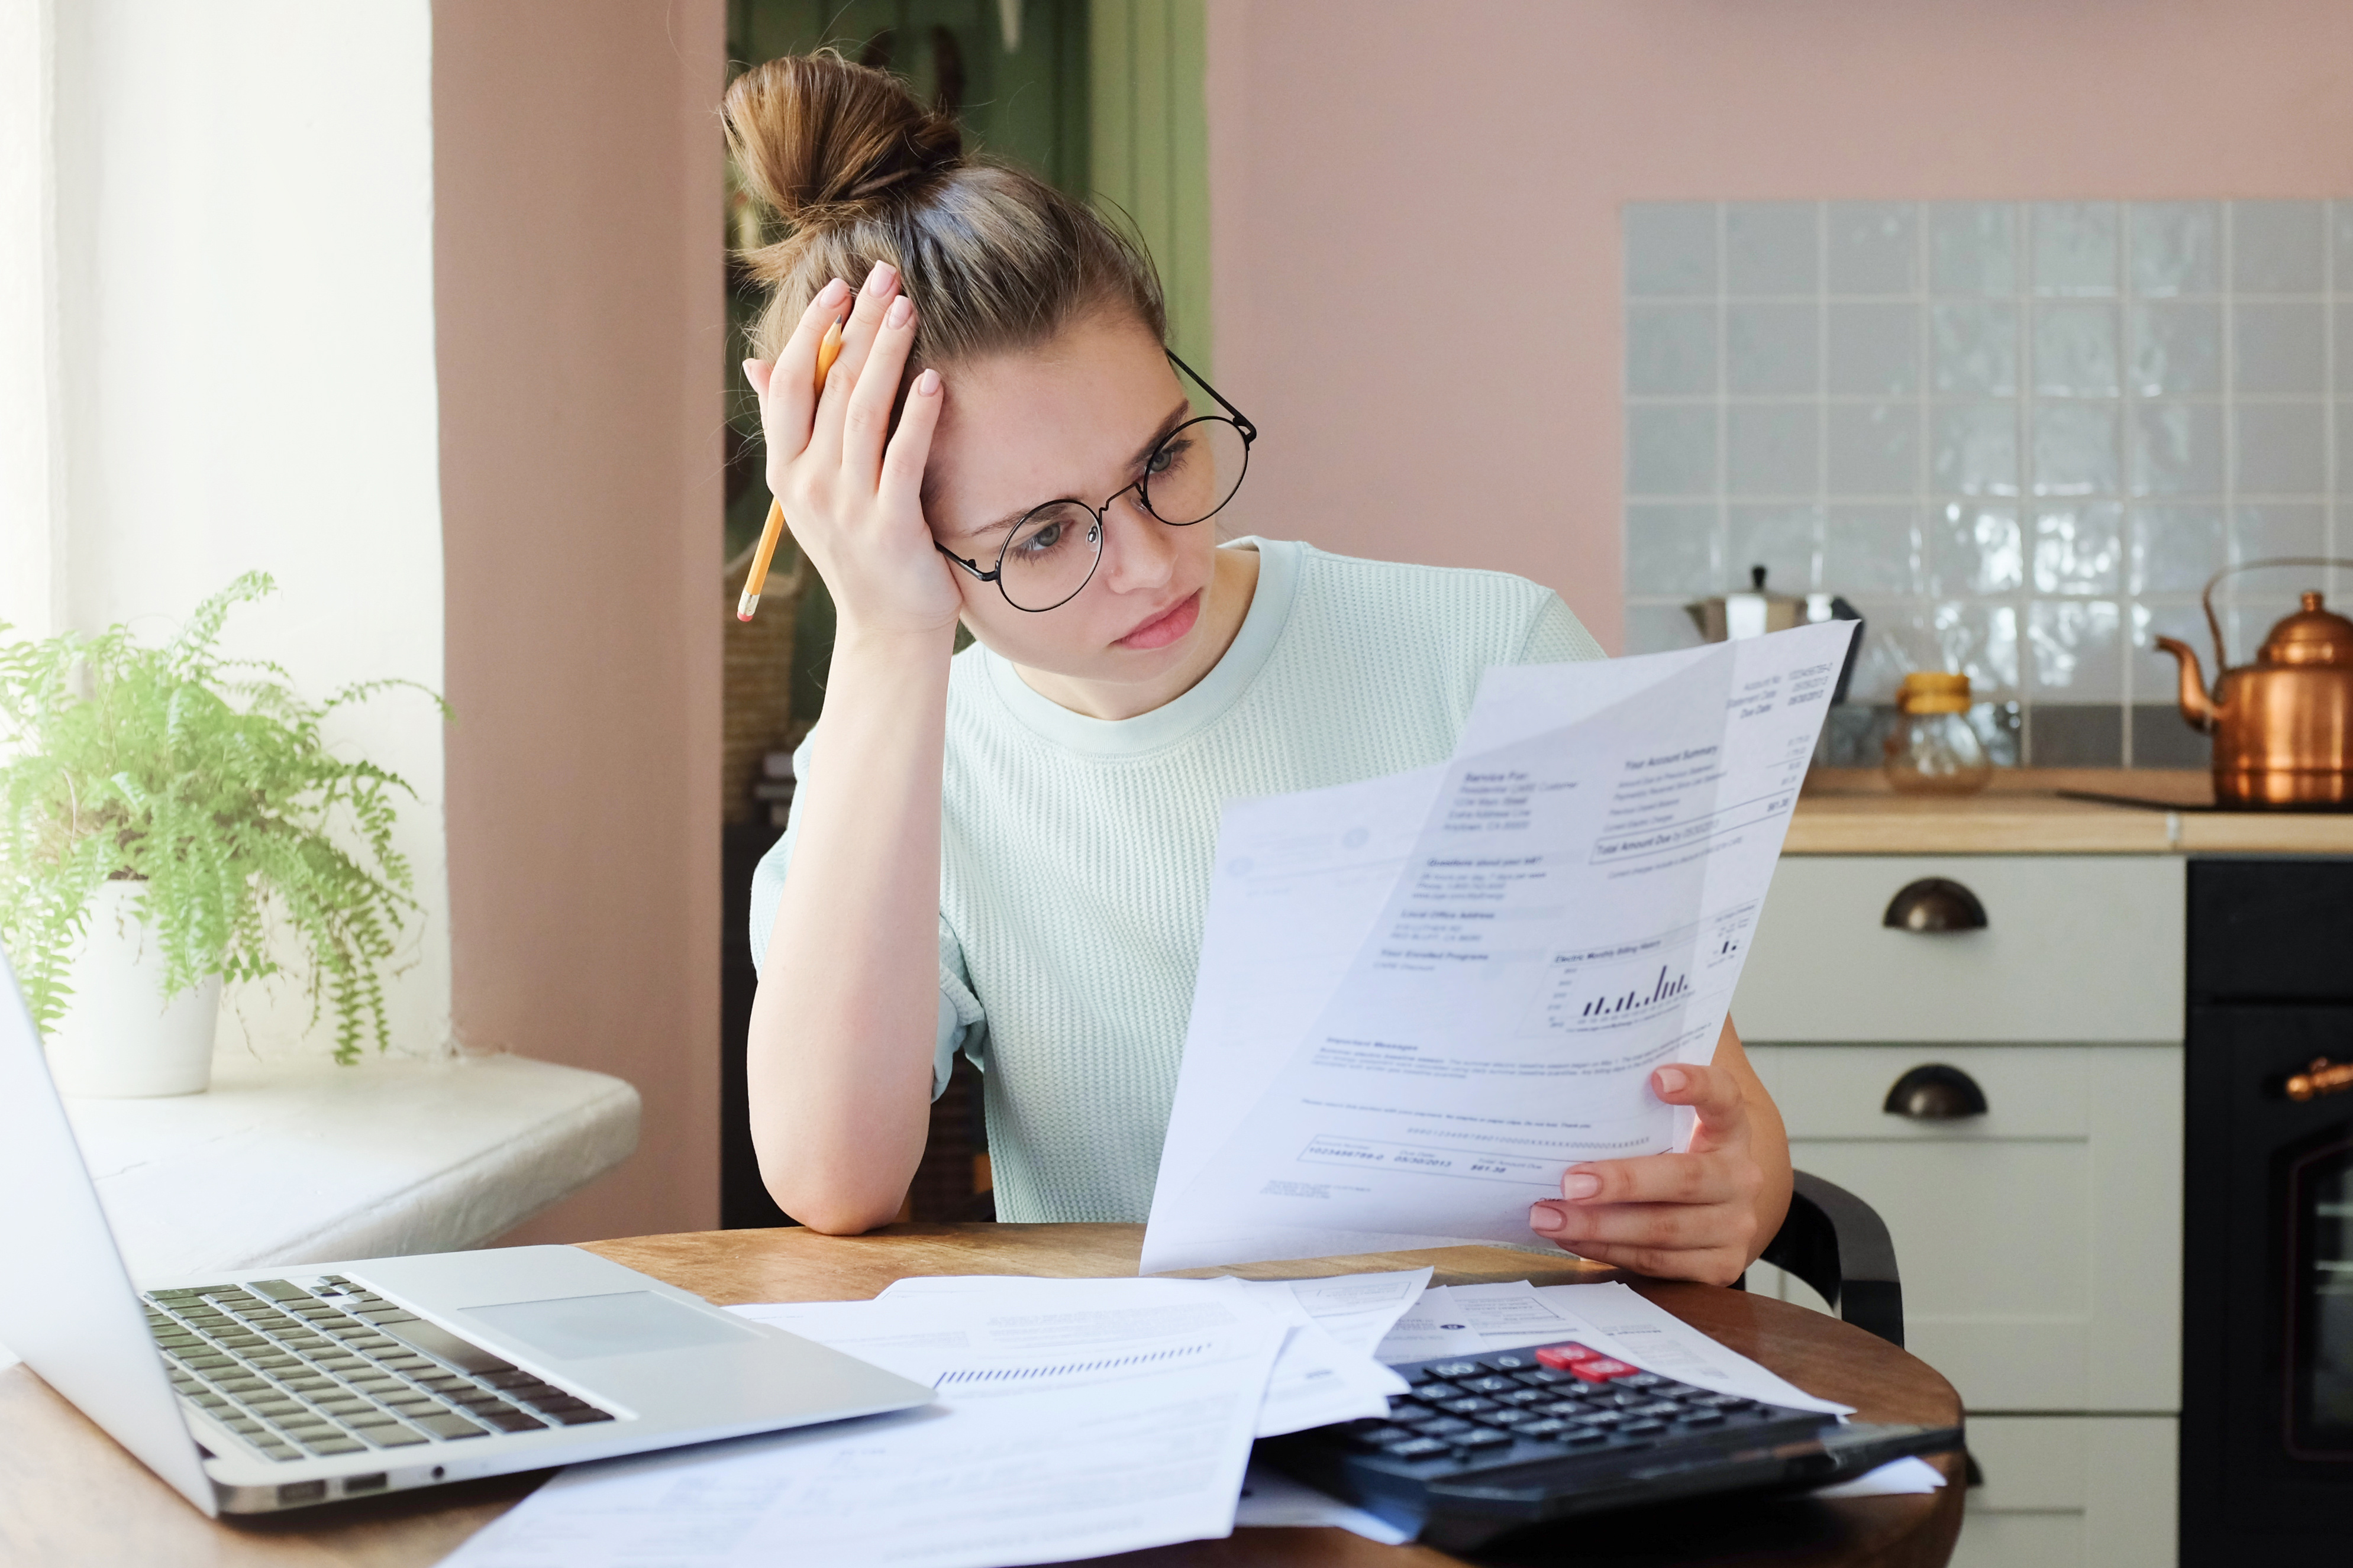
point(1488, 1444)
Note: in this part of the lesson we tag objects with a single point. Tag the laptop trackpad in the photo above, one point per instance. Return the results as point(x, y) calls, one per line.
point(575, 1328)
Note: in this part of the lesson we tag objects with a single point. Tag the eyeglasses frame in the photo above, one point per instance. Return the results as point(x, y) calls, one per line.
point(1233, 416)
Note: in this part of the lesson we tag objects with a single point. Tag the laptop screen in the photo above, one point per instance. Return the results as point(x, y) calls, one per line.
point(69, 1310)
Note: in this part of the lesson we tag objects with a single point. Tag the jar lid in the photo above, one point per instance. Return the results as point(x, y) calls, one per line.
point(1933, 691)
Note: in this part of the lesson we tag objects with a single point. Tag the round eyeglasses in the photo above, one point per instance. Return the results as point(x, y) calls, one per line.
point(1053, 551)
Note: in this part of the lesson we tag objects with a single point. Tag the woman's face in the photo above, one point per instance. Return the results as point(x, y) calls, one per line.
point(1073, 420)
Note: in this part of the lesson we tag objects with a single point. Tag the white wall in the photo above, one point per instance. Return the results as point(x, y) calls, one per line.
point(582, 336)
point(32, 574)
point(1420, 209)
point(245, 315)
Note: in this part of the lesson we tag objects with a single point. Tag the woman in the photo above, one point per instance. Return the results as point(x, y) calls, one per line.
point(1008, 852)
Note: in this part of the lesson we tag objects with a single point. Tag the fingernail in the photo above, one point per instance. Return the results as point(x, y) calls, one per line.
point(1545, 1221)
point(832, 292)
point(900, 309)
point(1580, 1185)
point(1672, 1080)
point(927, 384)
point(879, 281)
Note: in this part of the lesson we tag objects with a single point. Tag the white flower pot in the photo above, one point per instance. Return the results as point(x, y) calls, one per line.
point(122, 1038)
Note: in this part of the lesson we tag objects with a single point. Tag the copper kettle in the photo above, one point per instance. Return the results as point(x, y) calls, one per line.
point(2283, 726)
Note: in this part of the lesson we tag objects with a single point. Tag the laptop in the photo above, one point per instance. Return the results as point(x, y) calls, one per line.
point(254, 1390)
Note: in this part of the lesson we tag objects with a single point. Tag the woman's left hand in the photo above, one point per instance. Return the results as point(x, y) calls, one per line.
point(1689, 1216)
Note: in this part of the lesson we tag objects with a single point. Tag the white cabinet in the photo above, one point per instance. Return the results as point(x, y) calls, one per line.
point(2075, 947)
point(2070, 1491)
point(2040, 1243)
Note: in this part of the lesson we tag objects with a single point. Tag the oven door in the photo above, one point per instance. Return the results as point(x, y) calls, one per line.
point(2319, 1197)
point(2267, 1341)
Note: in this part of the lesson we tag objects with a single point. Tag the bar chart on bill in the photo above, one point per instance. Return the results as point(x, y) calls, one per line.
point(1600, 995)
point(1626, 984)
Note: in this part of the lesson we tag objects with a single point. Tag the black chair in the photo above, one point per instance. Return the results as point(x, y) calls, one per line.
point(1837, 1244)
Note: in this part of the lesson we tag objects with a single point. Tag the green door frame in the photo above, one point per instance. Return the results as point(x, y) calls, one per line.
point(1148, 139)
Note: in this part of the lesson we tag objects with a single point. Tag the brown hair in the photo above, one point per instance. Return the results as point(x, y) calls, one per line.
point(995, 259)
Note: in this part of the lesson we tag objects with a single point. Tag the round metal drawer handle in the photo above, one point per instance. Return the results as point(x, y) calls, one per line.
point(1935, 1092)
point(1934, 904)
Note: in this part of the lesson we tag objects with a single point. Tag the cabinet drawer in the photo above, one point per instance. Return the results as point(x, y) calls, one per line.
point(2040, 1244)
point(2070, 1491)
point(2084, 947)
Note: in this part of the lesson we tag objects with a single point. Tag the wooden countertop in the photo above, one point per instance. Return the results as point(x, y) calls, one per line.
point(1851, 811)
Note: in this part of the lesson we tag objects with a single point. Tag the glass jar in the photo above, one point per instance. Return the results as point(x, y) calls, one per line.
point(1932, 750)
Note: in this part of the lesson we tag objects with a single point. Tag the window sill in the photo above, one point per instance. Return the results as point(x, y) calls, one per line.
point(306, 1162)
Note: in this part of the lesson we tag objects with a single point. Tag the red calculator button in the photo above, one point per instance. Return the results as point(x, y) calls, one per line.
point(1602, 1369)
point(1563, 1357)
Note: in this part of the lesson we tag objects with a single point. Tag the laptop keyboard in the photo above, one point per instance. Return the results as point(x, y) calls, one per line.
point(337, 1368)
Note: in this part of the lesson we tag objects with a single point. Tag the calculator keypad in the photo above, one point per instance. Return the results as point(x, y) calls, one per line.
point(1555, 1398)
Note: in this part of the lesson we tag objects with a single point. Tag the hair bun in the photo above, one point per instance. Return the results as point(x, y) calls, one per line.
point(814, 130)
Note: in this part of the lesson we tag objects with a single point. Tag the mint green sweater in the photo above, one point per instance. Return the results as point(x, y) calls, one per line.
point(1076, 852)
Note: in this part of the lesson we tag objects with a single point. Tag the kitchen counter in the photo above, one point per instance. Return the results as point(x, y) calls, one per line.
point(1851, 811)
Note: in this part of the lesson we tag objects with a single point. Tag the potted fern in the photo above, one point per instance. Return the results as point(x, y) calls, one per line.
point(165, 812)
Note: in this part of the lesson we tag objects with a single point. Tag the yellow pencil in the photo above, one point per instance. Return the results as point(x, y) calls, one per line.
point(827, 352)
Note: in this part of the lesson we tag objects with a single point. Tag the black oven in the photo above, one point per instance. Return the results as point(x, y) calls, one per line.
point(2267, 1320)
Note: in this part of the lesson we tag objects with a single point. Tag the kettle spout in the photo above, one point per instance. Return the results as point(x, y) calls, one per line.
point(2197, 708)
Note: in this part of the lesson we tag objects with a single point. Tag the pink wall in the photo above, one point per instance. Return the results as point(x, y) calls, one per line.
point(1414, 208)
point(577, 182)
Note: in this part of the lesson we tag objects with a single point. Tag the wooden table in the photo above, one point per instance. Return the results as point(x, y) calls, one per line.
point(69, 1497)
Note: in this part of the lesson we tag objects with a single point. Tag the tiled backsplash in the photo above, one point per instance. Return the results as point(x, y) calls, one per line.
point(2020, 436)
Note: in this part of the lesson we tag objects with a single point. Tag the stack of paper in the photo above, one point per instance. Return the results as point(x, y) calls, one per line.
point(1080, 1417)
point(1076, 1418)
point(1316, 1380)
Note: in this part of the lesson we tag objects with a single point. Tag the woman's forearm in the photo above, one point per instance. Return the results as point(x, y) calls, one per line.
point(843, 1025)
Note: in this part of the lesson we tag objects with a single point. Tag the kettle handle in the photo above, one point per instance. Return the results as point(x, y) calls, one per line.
point(2214, 625)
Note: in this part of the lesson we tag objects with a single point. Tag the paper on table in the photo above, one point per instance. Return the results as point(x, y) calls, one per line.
point(1898, 1477)
point(1572, 910)
point(1512, 1313)
point(1429, 1329)
point(1356, 1310)
point(1034, 1454)
point(1650, 1336)
point(1315, 1382)
point(910, 1333)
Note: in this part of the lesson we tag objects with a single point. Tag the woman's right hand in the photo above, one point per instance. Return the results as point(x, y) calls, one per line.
point(852, 487)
